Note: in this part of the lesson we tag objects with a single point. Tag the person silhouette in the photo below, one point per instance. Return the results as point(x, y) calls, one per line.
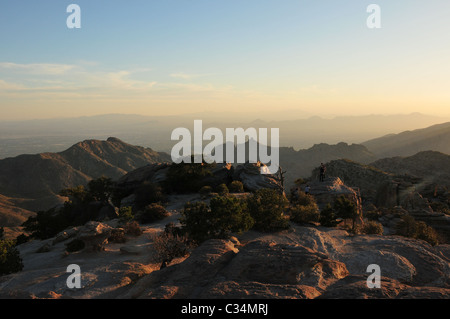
point(323, 169)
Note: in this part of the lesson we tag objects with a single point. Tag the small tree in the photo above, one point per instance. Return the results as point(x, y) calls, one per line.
point(225, 215)
point(346, 209)
point(328, 217)
point(266, 207)
point(301, 214)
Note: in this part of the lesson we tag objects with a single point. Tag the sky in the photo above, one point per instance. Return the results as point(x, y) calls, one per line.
point(170, 57)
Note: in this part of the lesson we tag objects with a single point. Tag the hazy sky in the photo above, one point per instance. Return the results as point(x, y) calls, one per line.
point(157, 57)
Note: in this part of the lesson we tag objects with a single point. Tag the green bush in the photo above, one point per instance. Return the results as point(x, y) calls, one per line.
point(266, 207)
point(224, 216)
point(372, 228)
point(152, 213)
point(10, 261)
point(222, 189)
point(236, 187)
point(301, 214)
point(427, 233)
point(328, 217)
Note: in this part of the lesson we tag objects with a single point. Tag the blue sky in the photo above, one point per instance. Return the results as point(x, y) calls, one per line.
point(176, 56)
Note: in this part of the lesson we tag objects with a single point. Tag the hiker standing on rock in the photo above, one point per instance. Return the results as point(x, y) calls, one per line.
point(323, 169)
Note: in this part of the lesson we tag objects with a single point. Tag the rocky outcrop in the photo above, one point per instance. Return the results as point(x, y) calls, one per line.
point(250, 174)
point(330, 189)
point(299, 263)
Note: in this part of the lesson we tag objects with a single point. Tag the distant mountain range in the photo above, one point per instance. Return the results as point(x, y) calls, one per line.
point(29, 183)
point(39, 178)
point(56, 135)
point(434, 138)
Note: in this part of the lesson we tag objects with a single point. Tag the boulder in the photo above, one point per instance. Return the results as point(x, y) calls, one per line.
point(94, 235)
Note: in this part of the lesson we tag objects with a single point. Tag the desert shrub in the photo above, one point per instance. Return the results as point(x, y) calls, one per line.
point(196, 221)
point(236, 187)
point(305, 199)
point(205, 190)
point(152, 213)
point(427, 233)
point(10, 261)
point(230, 216)
point(224, 216)
point(409, 227)
point(328, 217)
point(222, 189)
point(117, 236)
point(169, 246)
point(132, 228)
point(125, 214)
point(266, 208)
point(75, 245)
point(372, 228)
point(301, 214)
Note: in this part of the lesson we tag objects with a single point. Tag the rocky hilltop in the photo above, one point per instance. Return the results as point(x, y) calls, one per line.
point(39, 178)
